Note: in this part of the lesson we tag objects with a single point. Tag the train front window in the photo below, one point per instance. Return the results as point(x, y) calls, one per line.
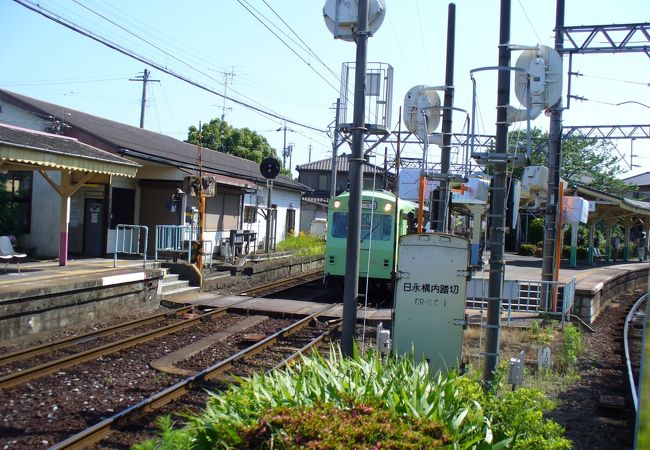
point(378, 227)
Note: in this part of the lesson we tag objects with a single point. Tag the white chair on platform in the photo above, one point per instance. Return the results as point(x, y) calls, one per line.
point(7, 252)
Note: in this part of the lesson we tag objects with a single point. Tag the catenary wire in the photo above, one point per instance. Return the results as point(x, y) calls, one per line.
point(320, 75)
point(60, 20)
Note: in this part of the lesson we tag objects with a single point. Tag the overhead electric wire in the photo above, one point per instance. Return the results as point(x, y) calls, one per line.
point(64, 81)
point(306, 46)
point(611, 79)
point(114, 46)
point(287, 45)
point(530, 23)
point(166, 53)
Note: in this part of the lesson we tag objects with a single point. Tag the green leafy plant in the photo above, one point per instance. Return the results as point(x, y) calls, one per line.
point(572, 348)
point(527, 249)
point(541, 334)
point(303, 244)
point(366, 395)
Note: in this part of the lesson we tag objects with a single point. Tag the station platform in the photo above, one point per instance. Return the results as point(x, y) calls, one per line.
point(594, 285)
point(42, 285)
point(48, 277)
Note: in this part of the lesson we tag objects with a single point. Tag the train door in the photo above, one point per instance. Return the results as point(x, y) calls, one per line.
point(94, 227)
point(429, 316)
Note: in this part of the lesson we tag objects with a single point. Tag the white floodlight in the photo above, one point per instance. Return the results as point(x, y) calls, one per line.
point(342, 21)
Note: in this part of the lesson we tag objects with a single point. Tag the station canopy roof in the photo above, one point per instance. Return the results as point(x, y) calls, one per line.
point(610, 205)
point(23, 149)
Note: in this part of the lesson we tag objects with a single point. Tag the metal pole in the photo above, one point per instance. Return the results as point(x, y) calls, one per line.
point(351, 286)
point(145, 78)
point(267, 240)
point(445, 156)
point(498, 204)
point(284, 148)
point(554, 158)
point(335, 147)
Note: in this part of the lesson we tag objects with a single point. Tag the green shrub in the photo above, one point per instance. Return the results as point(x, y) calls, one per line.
point(572, 348)
point(527, 249)
point(536, 230)
point(370, 401)
point(303, 244)
point(566, 251)
point(541, 334)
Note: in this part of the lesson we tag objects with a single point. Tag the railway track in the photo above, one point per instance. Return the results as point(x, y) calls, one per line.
point(106, 427)
point(46, 403)
point(51, 347)
point(41, 370)
point(283, 284)
point(633, 341)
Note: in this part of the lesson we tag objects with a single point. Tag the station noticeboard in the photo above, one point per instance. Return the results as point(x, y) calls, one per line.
point(429, 301)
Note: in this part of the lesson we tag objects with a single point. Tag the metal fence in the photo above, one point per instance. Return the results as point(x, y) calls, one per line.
point(132, 240)
point(526, 296)
point(172, 238)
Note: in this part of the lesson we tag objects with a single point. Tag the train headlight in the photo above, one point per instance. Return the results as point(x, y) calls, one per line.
point(337, 204)
point(388, 207)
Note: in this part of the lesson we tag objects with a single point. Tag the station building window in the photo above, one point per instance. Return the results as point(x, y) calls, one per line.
point(15, 201)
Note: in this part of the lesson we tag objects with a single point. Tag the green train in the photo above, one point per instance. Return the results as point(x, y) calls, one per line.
point(383, 218)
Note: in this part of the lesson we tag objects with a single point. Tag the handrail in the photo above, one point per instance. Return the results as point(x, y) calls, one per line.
point(132, 234)
point(170, 238)
point(525, 296)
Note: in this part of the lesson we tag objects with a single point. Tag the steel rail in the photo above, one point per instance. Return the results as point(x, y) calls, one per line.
point(310, 345)
point(80, 339)
point(626, 347)
point(107, 426)
point(310, 276)
point(47, 368)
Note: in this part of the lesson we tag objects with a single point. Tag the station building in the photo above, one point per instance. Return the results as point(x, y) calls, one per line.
point(150, 197)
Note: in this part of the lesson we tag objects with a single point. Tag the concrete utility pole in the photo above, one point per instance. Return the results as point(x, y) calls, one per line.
point(447, 112)
point(497, 204)
point(145, 79)
point(554, 173)
point(351, 286)
point(335, 147)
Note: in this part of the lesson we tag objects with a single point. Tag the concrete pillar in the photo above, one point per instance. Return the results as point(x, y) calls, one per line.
point(574, 244)
point(608, 237)
point(477, 213)
point(628, 223)
point(590, 248)
point(64, 219)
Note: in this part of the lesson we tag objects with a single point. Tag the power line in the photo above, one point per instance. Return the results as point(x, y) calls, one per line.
point(166, 53)
point(641, 83)
point(114, 46)
point(286, 45)
point(313, 53)
point(530, 23)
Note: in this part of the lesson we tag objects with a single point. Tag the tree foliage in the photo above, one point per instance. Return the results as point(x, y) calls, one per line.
point(220, 136)
point(589, 162)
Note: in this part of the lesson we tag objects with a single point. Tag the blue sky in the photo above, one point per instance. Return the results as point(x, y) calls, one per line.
point(205, 41)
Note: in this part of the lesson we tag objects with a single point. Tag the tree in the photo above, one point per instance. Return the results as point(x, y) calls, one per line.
point(218, 135)
point(589, 162)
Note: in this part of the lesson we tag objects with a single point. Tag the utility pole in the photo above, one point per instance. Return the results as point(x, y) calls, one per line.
point(145, 79)
point(351, 285)
point(290, 154)
point(226, 75)
point(445, 156)
point(335, 147)
point(554, 157)
point(497, 204)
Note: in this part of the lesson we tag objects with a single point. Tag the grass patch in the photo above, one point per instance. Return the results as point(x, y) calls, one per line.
point(303, 244)
point(367, 402)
